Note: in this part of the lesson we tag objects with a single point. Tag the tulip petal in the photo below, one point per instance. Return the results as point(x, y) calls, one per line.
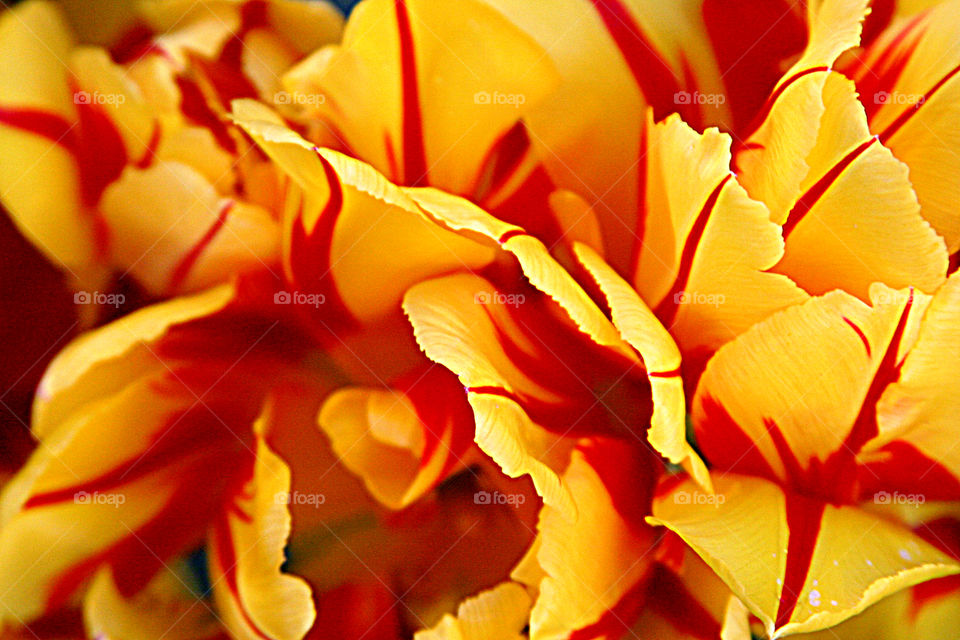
point(482, 70)
point(130, 506)
point(340, 217)
point(772, 161)
point(38, 174)
point(597, 565)
point(799, 565)
point(915, 449)
point(794, 399)
point(857, 220)
point(908, 84)
point(500, 612)
point(167, 608)
point(401, 441)
point(256, 599)
point(691, 263)
point(104, 361)
point(661, 358)
point(194, 238)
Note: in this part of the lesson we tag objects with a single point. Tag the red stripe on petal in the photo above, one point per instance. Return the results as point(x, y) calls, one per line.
point(750, 40)
point(860, 334)
point(253, 15)
point(804, 519)
point(769, 104)
point(911, 111)
point(414, 151)
point(667, 309)
point(45, 124)
point(657, 81)
point(807, 201)
point(727, 446)
point(311, 260)
point(189, 260)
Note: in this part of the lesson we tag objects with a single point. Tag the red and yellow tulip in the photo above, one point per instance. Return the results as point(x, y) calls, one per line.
point(481, 319)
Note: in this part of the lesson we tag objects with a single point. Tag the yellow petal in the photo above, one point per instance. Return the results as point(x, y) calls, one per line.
point(857, 220)
point(915, 449)
point(799, 565)
point(254, 597)
point(500, 612)
point(167, 607)
point(352, 236)
point(795, 397)
point(772, 161)
point(103, 361)
point(692, 266)
point(661, 358)
point(78, 504)
point(194, 238)
point(596, 565)
point(38, 174)
point(401, 441)
point(908, 84)
point(406, 116)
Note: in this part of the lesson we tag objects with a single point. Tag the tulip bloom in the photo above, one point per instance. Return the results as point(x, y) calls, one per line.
point(92, 131)
point(486, 319)
point(858, 410)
